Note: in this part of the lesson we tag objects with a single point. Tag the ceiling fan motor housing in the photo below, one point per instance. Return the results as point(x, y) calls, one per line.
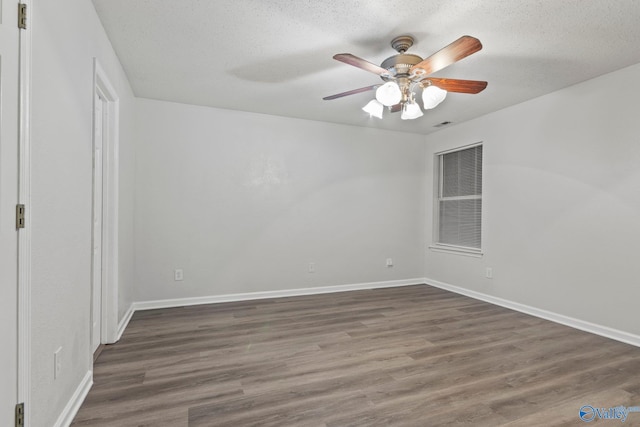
point(399, 65)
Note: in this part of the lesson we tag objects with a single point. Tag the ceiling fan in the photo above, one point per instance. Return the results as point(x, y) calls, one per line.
point(405, 73)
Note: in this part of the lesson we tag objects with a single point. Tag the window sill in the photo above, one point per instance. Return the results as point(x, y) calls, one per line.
point(456, 250)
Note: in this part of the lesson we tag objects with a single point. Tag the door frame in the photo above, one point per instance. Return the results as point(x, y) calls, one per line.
point(110, 191)
point(24, 235)
point(97, 228)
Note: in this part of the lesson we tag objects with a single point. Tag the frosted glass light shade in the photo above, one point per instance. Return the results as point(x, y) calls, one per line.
point(389, 94)
point(411, 111)
point(374, 108)
point(432, 96)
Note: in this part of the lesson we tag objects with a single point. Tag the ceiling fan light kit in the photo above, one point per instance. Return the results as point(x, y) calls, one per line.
point(389, 94)
point(405, 73)
point(432, 96)
point(374, 108)
point(410, 111)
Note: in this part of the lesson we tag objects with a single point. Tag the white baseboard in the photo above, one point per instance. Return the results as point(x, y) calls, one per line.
point(124, 322)
point(70, 411)
point(583, 325)
point(181, 302)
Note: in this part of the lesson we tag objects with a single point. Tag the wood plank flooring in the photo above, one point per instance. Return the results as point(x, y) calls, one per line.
point(414, 356)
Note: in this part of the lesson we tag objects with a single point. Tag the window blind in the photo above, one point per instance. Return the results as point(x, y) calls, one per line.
point(460, 198)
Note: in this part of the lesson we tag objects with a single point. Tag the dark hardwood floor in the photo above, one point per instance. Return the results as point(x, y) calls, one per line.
point(415, 356)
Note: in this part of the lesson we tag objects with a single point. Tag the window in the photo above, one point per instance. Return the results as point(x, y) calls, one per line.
point(459, 200)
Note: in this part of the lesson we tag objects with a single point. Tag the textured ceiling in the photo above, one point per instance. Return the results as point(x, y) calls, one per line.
point(275, 56)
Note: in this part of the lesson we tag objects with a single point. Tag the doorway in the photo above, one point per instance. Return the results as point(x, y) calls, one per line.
point(104, 249)
point(99, 132)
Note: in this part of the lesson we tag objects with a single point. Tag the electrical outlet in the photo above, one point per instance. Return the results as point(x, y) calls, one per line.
point(312, 267)
point(489, 273)
point(389, 262)
point(177, 275)
point(57, 363)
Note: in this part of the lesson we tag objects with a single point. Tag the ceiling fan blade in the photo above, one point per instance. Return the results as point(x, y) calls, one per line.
point(351, 92)
point(350, 59)
point(395, 108)
point(460, 86)
point(459, 49)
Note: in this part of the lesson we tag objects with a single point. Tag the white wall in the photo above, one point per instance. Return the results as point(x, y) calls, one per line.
point(561, 202)
point(243, 202)
point(67, 34)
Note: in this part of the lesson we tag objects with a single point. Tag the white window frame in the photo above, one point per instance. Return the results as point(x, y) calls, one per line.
point(436, 246)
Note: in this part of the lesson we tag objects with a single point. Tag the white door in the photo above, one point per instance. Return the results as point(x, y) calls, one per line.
point(9, 70)
point(96, 287)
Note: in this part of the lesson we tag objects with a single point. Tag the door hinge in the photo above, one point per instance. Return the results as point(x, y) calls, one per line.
point(20, 415)
point(22, 16)
point(20, 216)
